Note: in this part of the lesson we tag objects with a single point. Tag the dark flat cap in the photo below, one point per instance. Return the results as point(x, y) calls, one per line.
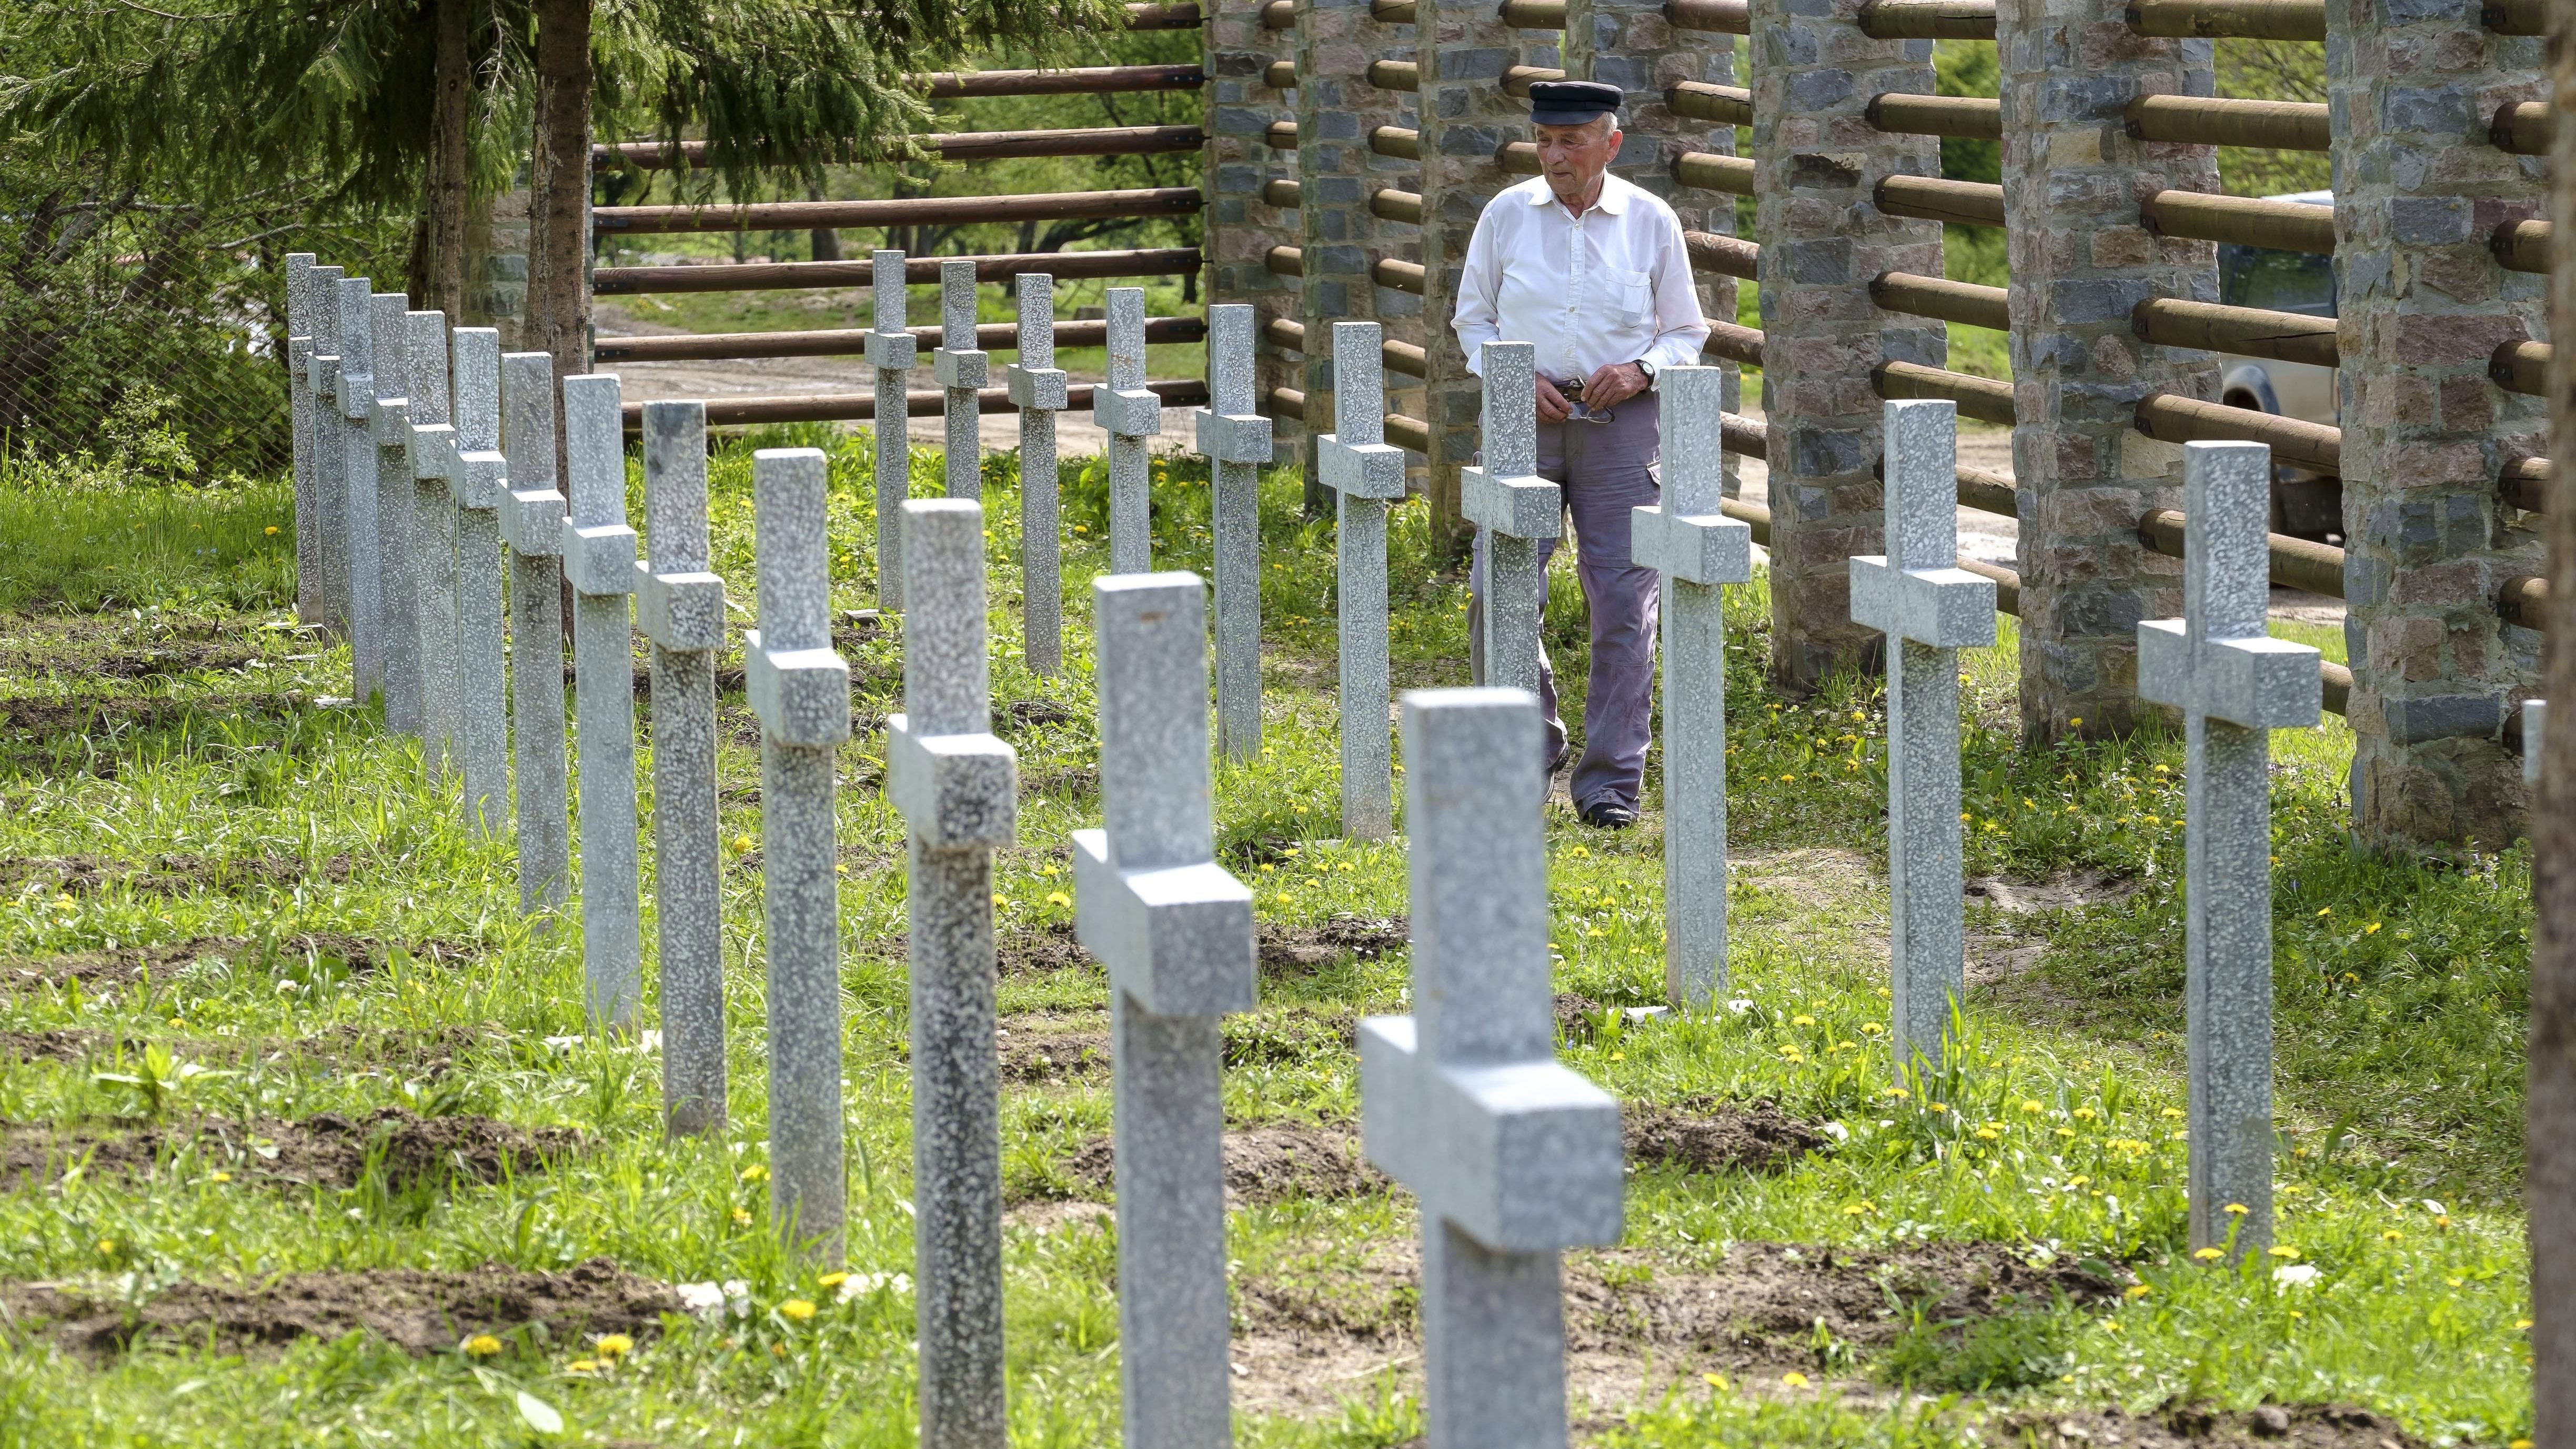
point(1570, 103)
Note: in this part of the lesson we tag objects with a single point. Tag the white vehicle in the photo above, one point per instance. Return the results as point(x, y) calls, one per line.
point(2309, 505)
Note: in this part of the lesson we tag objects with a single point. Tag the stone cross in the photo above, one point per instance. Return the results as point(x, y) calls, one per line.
point(1929, 608)
point(299, 408)
point(957, 786)
point(1175, 931)
point(1129, 412)
point(1518, 511)
point(1037, 389)
point(679, 605)
point(891, 351)
point(329, 523)
point(1236, 442)
point(2234, 685)
point(532, 517)
point(397, 541)
point(433, 464)
point(478, 486)
point(1514, 1156)
point(357, 402)
point(961, 369)
point(1698, 552)
point(1366, 474)
point(599, 560)
point(2535, 717)
point(800, 689)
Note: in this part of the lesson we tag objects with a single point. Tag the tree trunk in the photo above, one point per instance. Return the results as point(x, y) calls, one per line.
point(2549, 1176)
point(827, 240)
point(450, 147)
point(558, 318)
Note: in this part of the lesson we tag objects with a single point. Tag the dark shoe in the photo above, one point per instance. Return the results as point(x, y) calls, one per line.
point(1608, 815)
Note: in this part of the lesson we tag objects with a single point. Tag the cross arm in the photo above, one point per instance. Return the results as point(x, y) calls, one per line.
point(1176, 938)
point(599, 558)
point(679, 610)
point(1698, 549)
point(1360, 470)
point(955, 791)
point(1035, 389)
point(1526, 506)
point(2258, 683)
point(1229, 438)
point(1129, 413)
point(802, 696)
point(532, 522)
point(961, 367)
point(1947, 608)
point(893, 351)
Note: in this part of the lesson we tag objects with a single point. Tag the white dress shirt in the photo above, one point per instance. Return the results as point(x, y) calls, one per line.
point(1612, 285)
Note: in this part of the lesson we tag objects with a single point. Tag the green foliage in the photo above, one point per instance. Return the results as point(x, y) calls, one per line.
point(2008, 1351)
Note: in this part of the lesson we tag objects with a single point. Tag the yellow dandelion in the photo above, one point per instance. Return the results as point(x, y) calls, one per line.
point(1794, 1379)
point(482, 1345)
point(797, 1308)
point(272, 530)
point(582, 1366)
point(831, 1280)
point(755, 1173)
point(741, 1216)
point(2324, 911)
point(2209, 1255)
point(2138, 1290)
point(107, 1245)
point(2392, 1235)
point(1802, 1020)
point(1059, 898)
point(219, 1177)
point(1714, 1381)
point(613, 1346)
point(2282, 1250)
point(2236, 1210)
point(2173, 1111)
point(1896, 1092)
point(2031, 1106)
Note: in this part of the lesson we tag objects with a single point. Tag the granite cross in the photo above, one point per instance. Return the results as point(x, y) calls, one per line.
point(1174, 930)
point(330, 521)
point(599, 561)
point(679, 605)
point(357, 401)
point(2535, 718)
point(299, 408)
point(2234, 685)
point(1366, 474)
point(1698, 551)
point(1514, 1156)
point(800, 689)
point(532, 515)
point(433, 464)
point(1236, 442)
point(1037, 389)
point(961, 369)
point(957, 786)
point(891, 351)
point(1516, 509)
point(1929, 608)
point(397, 541)
point(478, 486)
point(1129, 412)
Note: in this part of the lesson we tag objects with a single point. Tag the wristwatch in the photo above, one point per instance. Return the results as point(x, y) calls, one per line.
point(1648, 369)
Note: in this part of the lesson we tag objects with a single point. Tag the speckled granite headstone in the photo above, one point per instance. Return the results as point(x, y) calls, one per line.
point(1037, 389)
point(330, 521)
point(356, 404)
point(477, 487)
point(397, 546)
point(1130, 413)
point(1365, 474)
point(599, 559)
point(1236, 442)
point(434, 463)
point(299, 408)
point(891, 351)
point(961, 370)
point(532, 515)
point(1517, 510)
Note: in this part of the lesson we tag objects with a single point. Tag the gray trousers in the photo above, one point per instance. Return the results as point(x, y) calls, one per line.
point(1604, 470)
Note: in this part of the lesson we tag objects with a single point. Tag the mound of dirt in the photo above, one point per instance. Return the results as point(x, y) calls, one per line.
point(418, 1311)
point(2194, 1426)
point(151, 712)
point(1017, 953)
point(60, 1045)
point(1289, 1037)
point(1044, 1046)
point(325, 1150)
point(167, 875)
point(1312, 948)
point(1268, 1163)
point(1703, 1135)
point(127, 964)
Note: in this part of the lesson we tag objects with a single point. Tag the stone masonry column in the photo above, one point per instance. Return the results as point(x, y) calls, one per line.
point(1463, 49)
point(1242, 226)
point(2418, 189)
point(2081, 259)
point(1823, 239)
point(1341, 237)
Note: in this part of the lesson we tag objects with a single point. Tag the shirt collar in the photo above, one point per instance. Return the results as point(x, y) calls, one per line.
point(1614, 194)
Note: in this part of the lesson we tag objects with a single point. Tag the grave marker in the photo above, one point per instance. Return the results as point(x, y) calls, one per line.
point(330, 521)
point(800, 689)
point(1037, 389)
point(356, 406)
point(1699, 552)
point(1929, 608)
point(2535, 715)
point(1236, 442)
point(299, 408)
point(599, 560)
point(478, 486)
point(1366, 474)
point(1518, 511)
point(679, 605)
point(532, 517)
point(2235, 685)
point(891, 351)
point(1514, 1156)
point(1129, 412)
point(1175, 931)
point(397, 542)
point(434, 464)
point(961, 370)
point(957, 786)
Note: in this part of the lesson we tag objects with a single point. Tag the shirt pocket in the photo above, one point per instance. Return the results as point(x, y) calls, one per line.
point(1631, 294)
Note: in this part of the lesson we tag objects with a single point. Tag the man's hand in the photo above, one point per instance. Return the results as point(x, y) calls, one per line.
point(1613, 385)
point(1552, 406)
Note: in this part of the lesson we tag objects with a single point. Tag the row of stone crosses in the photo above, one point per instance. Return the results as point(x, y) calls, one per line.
point(426, 467)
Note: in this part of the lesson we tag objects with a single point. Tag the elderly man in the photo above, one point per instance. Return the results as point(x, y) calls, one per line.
point(1594, 272)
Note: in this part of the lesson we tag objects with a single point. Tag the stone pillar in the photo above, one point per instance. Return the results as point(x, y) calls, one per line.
point(1823, 239)
point(1467, 118)
point(532, 518)
point(2081, 259)
point(2418, 189)
point(1241, 225)
point(599, 561)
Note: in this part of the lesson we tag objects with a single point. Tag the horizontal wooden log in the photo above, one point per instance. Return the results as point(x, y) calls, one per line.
point(2521, 246)
point(781, 276)
point(1279, 15)
point(1284, 261)
point(2516, 17)
point(1395, 75)
point(2218, 121)
point(2521, 127)
point(1518, 79)
point(1700, 101)
point(850, 407)
point(954, 146)
point(2290, 226)
point(1931, 198)
point(1719, 17)
point(1404, 432)
point(1988, 492)
point(1280, 75)
point(1744, 437)
point(1391, 12)
point(1400, 142)
point(1731, 342)
point(2521, 367)
point(1978, 118)
point(2296, 562)
point(1928, 19)
point(1919, 296)
point(1710, 171)
point(1182, 16)
point(852, 341)
point(1281, 192)
point(2525, 601)
point(1534, 14)
point(2243, 19)
point(1986, 399)
point(1519, 157)
point(1398, 276)
point(1396, 356)
point(2177, 419)
point(1280, 136)
point(1081, 80)
point(1727, 256)
point(1758, 519)
point(2525, 484)
point(1389, 204)
point(2254, 331)
point(897, 211)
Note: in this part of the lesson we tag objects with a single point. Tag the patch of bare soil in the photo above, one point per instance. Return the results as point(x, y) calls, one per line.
point(2195, 1426)
point(2070, 890)
point(1306, 949)
point(1268, 1163)
point(417, 1310)
point(60, 1045)
point(325, 1150)
point(1814, 878)
point(1044, 1047)
point(1018, 952)
point(167, 875)
point(128, 964)
point(1707, 1135)
point(1072, 782)
point(1575, 1015)
point(79, 716)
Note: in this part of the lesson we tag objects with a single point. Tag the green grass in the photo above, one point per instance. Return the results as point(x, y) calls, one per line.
point(2399, 983)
